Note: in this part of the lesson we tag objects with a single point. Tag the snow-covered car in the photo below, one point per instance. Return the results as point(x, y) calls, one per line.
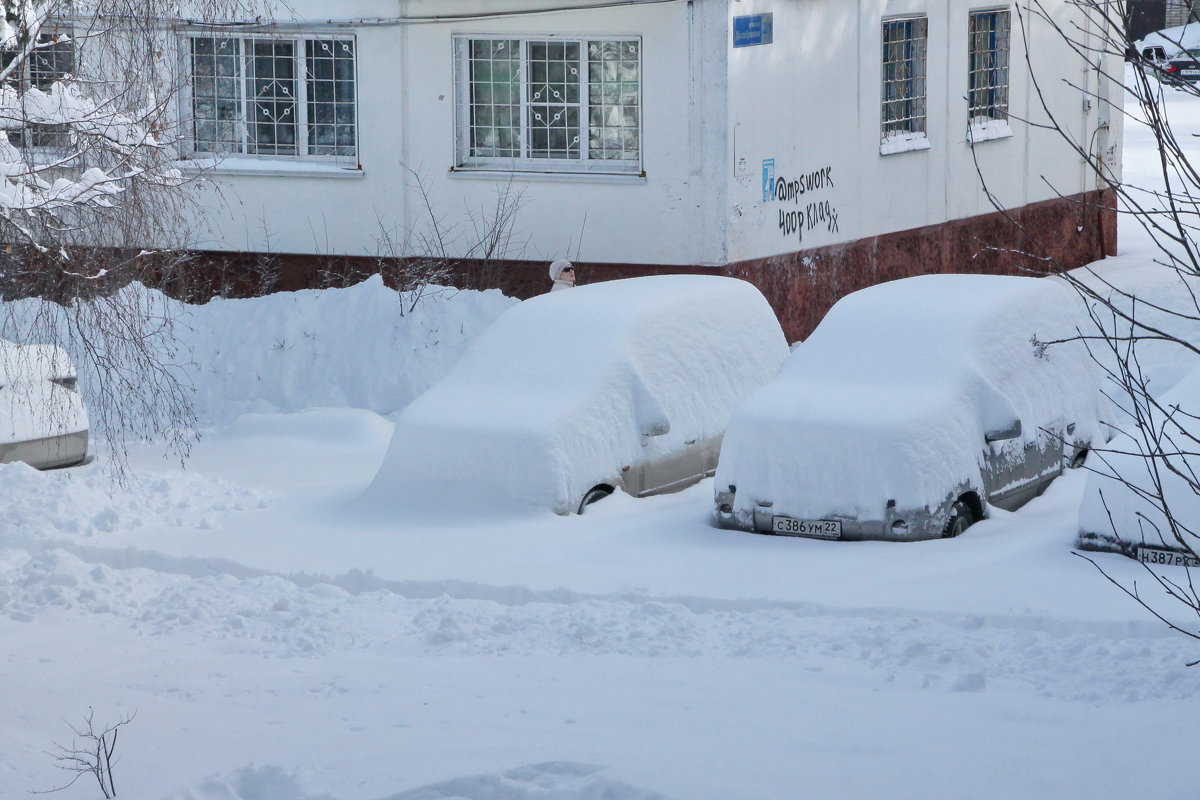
point(1171, 54)
point(912, 408)
point(43, 421)
point(567, 397)
point(1132, 478)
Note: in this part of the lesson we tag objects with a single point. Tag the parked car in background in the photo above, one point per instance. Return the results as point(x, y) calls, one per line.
point(1133, 482)
point(43, 421)
point(622, 385)
point(1171, 54)
point(913, 408)
point(1183, 67)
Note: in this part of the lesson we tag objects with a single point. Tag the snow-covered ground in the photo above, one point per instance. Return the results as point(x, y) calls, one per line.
point(282, 639)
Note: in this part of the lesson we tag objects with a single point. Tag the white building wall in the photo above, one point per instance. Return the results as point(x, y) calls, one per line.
point(811, 102)
point(713, 115)
point(406, 117)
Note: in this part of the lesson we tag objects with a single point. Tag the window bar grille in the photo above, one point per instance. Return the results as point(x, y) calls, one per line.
point(614, 100)
point(554, 104)
point(271, 89)
point(329, 107)
point(549, 100)
point(904, 56)
point(217, 111)
point(989, 65)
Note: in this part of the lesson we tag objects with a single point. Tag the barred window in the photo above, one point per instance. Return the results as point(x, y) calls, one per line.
point(987, 66)
point(550, 104)
point(52, 60)
point(905, 44)
point(259, 96)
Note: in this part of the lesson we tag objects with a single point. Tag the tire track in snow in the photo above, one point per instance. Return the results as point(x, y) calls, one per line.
point(311, 615)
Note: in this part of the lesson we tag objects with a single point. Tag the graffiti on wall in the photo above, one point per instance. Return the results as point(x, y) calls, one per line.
point(810, 212)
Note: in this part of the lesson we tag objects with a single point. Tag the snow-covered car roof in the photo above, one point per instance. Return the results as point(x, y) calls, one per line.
point(553, 395)
point(33, 362)
point(894, 390)
point(1173, 40)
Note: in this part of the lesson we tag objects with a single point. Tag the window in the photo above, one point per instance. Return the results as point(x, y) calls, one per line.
point(905, 43)
point(258, 96)
point(550, 104)
point(52, 60)
point(987, 68)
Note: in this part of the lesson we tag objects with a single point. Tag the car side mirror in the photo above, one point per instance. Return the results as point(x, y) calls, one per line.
point(658, 427)
point(652, 417)
point(1010, 431)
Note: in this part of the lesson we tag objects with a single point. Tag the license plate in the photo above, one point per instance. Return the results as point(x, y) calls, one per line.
point(1170, 558)
point(1165, 557)
point(821, 528)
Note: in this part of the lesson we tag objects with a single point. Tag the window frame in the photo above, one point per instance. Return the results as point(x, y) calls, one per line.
point(302, 77)
point(914, 135)
point(465, 161)
point(989, 120)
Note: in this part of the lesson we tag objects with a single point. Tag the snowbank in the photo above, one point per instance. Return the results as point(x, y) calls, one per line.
point(365, 346)
point(360, 347)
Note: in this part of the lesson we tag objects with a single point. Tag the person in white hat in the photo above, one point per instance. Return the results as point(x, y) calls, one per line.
point(562, 272)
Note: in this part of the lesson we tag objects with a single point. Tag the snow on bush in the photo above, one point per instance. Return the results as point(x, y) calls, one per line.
point(550, 400)
point(891, 395)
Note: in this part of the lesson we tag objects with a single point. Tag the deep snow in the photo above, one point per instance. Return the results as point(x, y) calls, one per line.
point(281, 640)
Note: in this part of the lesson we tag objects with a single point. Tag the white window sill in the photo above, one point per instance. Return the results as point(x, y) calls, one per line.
point(491, 174)
point(265, 167)
point(903, 143)
point(988, 131)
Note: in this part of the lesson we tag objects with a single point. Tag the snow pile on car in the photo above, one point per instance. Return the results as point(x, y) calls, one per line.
point(36, 393)
point(1134, 479)
point(550, 401)
point(892, 394)
point(1172, 40)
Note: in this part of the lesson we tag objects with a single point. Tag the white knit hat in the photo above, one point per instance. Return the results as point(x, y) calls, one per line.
point(556, 268)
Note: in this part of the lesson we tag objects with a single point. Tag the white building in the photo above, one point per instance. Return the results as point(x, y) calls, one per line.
point(813, 146)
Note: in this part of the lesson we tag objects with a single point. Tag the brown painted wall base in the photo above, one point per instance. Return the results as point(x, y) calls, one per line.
point(1034, 240)
point(1037, 239)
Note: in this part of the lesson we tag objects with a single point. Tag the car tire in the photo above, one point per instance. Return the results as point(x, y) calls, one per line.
point(961, 518)
point(596, 493)
point(1079, 459)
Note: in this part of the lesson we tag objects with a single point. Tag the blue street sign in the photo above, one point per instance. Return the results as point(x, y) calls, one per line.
point(753, 30)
